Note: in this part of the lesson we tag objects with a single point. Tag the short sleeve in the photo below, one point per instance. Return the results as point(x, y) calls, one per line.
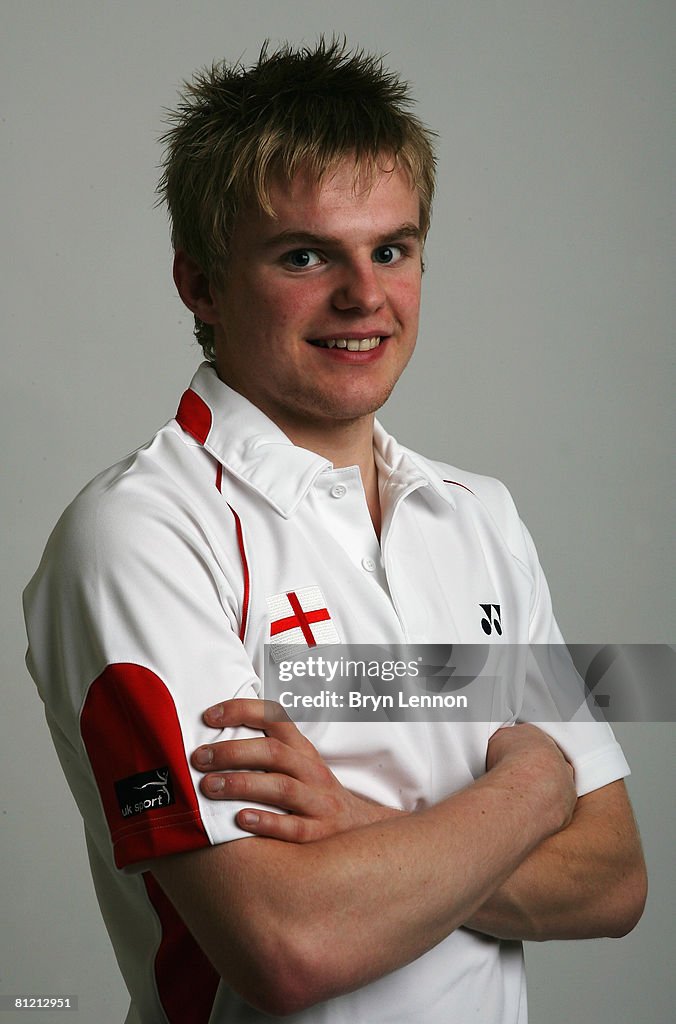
point(554, 694)
point(133, 632)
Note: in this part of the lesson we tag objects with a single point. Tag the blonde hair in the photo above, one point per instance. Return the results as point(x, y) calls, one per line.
point(237, 128)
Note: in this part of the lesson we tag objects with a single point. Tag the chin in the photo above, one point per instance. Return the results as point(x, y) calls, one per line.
point(349, 409)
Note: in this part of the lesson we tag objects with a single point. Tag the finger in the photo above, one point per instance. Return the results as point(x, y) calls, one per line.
point(266, 788)
point(288, 828)
point(267, 754)
point(266, 715)
point(253, 712)
point(262, 753)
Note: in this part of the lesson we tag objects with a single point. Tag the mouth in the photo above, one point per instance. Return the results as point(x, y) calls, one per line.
point(351, 344)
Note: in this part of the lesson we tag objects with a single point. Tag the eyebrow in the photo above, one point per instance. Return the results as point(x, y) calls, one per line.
point(307, 239)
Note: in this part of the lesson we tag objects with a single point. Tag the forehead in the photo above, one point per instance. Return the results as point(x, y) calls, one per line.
point(342, 204)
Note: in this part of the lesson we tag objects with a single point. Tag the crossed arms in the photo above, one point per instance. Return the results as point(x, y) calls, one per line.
point(341, 891)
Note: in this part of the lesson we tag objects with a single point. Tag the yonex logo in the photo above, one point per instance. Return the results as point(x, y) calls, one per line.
point(145, 791)
point(491, 621)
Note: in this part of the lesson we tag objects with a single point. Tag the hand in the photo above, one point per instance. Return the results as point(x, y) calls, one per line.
point(280, 768)
point(526, 748)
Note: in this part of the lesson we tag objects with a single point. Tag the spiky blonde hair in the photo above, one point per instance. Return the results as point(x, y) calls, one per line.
point(237, 128)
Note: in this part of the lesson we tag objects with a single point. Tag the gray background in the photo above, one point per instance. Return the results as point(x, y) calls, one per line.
point(543, 359)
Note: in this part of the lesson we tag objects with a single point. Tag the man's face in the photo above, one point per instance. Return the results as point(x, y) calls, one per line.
point(318, 314)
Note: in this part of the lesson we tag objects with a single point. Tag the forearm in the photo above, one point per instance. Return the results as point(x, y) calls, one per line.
point(587, 881)
point(311, 921)
point(396, 888)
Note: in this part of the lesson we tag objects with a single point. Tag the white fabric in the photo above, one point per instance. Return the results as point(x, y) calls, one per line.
point(145, 567)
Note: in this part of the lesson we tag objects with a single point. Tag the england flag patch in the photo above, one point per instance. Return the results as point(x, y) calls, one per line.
point(299, 618)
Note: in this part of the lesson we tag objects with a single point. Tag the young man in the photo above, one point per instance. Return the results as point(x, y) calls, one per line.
point(413, 857)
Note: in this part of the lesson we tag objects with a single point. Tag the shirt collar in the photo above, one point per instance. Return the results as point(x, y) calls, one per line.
point(402, 470)
point(254, 449)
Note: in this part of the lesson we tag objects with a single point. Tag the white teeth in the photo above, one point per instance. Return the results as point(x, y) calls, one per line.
point(351, 344)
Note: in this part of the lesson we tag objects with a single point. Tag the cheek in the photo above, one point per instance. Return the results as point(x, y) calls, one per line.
point(407, 300)
point(294, 304)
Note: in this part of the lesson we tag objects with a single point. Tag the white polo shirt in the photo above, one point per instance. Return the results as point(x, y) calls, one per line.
point(155, 596)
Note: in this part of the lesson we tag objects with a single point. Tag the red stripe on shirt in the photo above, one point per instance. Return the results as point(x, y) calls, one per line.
point(242, 555)
point(186, 981)
point(245, 571)
point(458, 484)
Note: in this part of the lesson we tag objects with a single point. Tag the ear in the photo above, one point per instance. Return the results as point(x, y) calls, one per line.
point(193, 287)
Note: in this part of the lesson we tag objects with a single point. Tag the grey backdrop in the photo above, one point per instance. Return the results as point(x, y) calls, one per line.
point(544, 358)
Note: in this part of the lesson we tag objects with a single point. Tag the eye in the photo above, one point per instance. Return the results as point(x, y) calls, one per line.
point(387, 254)
point(301, 259)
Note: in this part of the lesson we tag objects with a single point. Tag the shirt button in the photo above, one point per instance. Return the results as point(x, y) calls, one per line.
point(368, 564)
point(338, 491)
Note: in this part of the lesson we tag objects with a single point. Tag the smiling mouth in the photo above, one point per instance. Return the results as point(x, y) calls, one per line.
point(351, 344)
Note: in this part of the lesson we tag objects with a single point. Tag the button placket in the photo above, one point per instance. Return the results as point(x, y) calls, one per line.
point(345, 514)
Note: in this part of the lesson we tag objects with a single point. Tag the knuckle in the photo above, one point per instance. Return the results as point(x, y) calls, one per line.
point(300, 829)
point(236, 783)
point(234, 711)
point(309, 749)
point(334, 807)
point(273, 748)
point(274, 712)
point(324, 775)
point(234, 751)
point(286, 787)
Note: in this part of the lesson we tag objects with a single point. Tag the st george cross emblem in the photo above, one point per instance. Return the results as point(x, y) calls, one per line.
point(299, 618)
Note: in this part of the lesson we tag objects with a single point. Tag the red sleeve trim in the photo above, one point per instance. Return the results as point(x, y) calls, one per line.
point(133, 738)
point(194, 416)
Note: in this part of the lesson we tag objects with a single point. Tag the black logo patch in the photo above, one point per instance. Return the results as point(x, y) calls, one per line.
point(145, 792)
point(491, 619)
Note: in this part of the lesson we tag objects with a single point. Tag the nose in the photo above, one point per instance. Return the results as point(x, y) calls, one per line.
point(359, 288)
